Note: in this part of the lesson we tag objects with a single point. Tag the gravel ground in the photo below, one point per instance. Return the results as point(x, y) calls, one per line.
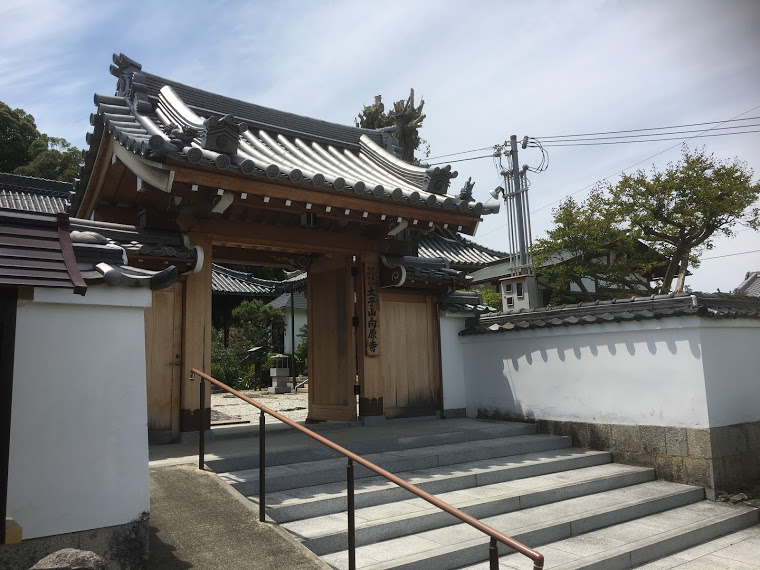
point(293, 406)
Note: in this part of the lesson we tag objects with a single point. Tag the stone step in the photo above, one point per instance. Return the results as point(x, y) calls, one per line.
point(330, 498)
point(328, 533)
point(735, 550)
point(689, 531)
point(301, 448)
point(460, 545)
point(295, 475)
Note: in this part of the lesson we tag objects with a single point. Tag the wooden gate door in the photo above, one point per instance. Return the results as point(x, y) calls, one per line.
point(163, 347)
point(411, 361)
point(332, 359)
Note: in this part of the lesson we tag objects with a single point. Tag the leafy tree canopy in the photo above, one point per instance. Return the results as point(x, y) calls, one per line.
point(24, 150)
point(405, 116)
point(662, 220)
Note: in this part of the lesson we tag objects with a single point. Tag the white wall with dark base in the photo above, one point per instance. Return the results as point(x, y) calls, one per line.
point(78, 449)
point(452, 360)
point(679, 372)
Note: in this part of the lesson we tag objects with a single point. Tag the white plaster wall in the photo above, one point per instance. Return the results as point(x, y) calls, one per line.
point(78, 450)
point(300, 320)
point(647, 372)
point(452, 361)
point(731, 355)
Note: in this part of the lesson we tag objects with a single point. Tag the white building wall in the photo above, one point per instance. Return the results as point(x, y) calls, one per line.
point(646, 373)
point(300, 320)
point(79, 449)
point(452, 361)
point(731, 355)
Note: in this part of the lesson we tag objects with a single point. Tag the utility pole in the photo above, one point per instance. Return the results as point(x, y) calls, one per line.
point(518, 201)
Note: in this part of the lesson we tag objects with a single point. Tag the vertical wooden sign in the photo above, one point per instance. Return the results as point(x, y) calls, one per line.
point(371, 309)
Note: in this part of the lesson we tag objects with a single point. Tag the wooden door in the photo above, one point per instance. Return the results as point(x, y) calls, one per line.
point(410, 359)
point(332, 359)
point(163, 360)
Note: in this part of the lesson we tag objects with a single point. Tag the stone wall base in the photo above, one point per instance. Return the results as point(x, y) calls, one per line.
point(124, 547)
point(719, 459)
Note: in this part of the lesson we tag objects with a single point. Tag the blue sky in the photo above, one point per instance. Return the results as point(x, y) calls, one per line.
point(485, 69)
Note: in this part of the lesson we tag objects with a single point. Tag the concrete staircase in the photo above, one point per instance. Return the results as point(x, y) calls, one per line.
point(573, 505)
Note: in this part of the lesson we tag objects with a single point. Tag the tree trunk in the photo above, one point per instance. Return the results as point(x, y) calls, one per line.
point(670, 272)
point(682, 274)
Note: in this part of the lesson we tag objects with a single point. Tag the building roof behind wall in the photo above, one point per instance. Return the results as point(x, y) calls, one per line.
point(460, 252)
point(751, 284)
point(283, 301)
point(34, 194)
point(708, 305)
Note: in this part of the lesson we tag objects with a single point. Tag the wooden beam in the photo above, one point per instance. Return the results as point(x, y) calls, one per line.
point(150, 172)
point(99, 171)
point(244, 256)
point(286, 238)
point(337, 200)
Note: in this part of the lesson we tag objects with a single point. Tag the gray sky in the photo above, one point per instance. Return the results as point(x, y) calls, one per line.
point(485, 69)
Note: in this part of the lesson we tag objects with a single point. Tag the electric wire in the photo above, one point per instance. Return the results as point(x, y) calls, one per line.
point(729, 255)
point(653, 128)
point(568, 143)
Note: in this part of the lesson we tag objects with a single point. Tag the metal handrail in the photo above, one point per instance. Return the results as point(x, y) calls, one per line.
point(537, 557)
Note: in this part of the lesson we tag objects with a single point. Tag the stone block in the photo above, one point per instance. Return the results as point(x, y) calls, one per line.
point(751, 432)
point(699, 443)
point(675, 441)
point(751, 466)
point(580, 433)
point(71, 559)
point(727, 440)
point(542, 426)
point(653, 439)
point(626, 439)
point(640, 459)
point(600, 436)
point(699, 471)
point(670, 468)
point(728, 473)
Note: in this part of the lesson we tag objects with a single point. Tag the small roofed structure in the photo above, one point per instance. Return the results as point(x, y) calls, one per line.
point(751, 284)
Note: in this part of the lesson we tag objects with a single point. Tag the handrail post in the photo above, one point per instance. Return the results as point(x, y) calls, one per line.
point(493, 554)
point(201, 435)
point(351, 516)
point(262, 467)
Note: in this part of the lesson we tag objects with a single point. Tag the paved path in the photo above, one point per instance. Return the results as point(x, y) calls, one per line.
point(198, 521)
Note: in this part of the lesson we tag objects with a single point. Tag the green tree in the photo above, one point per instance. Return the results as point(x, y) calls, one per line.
point(589, 241)
point(646, 222)
point(405, 116)
point(25, 150)
point(678, 211)
point(18, 133)
point(58, 161)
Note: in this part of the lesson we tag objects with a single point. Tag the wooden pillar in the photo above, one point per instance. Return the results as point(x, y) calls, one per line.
point(196, 337)
point(370, 344)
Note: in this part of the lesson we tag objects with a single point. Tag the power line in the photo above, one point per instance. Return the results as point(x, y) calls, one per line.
point(461, 152)
point(661, 134)
point(644, 160)
point(729, 254)
point(550, 144)
point(462, 159)
point(654, 128)
point(631, 166)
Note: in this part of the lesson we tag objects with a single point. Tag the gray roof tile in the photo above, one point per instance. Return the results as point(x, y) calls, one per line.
point(157, 118)
point(461, 253)
point(34, 194)
point(707, 305)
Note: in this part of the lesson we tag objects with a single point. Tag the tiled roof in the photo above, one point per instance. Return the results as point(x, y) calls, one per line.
point(148, 246)
point(470, 302)
point(156, 118)
point(283, 301)
point(751, 284)
point(461, 253)
point(34, 194)
point(36, 251)
point(231, 282)
point(408, 269)
point(715, 305)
